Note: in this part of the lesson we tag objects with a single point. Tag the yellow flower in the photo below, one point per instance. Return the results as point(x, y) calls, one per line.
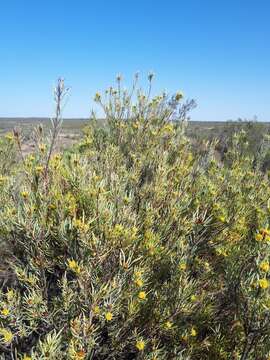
point(168, 324)
point(206, 265)
point(263, 283)
point(31, 158)
point(264, 266)
point(78, 270)
point(74, 266)
point(168, 128)
point(138, 273)
point(263, 234)
point(5, 312)
point(96, 309)
point(42, 147)
point(183, 266)
point(57, 157)
point(24, 194)
point(39, 169)
point(258, 237)
point(140, 345)
point(193, 298)
point(108, 316)
point(7, 335)
point(193, 332)
point(264, 231)
point(221, 252)
point(142, 295)
point(118, 230)
point(139, 282)
point(26, 357)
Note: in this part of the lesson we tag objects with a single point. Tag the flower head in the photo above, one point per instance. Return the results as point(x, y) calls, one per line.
point(258, 237)
point(264, 266)
point(168, 324)
point(74, 266)
point(183, 266)
point(140, 345)
point(108, 316)
point(142, 295)
point(24, 194)
point(96, 310)
point(138, 273)
point(139, 282)
point(263, 234)
point(42, 148)
point(38, 169)
point(222, 218)
point(5, 312)
point(263, 283)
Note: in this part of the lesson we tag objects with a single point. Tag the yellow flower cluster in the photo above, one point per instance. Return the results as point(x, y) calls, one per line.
point(263, 235)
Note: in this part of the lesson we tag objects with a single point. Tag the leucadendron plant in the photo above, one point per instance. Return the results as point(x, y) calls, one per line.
point(133, 244)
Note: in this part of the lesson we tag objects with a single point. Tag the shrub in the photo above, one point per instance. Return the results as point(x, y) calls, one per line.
point(132, 245)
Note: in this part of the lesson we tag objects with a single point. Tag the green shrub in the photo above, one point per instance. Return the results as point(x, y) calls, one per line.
point(132, 245)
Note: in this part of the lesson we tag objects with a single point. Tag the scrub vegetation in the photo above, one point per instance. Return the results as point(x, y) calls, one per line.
point(139, 241)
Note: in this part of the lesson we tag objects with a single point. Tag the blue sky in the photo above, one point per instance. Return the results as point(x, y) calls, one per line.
point(217, 52)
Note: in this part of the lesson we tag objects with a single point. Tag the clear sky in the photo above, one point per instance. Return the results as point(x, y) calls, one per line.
point(217, 52)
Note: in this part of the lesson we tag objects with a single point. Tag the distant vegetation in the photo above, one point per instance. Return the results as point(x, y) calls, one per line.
point(198, 131)
point(148, 238)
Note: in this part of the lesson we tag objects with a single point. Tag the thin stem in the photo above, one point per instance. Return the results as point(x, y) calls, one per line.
point(59, 94)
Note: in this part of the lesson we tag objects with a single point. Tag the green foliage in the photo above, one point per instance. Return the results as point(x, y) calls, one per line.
point(133, 244)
